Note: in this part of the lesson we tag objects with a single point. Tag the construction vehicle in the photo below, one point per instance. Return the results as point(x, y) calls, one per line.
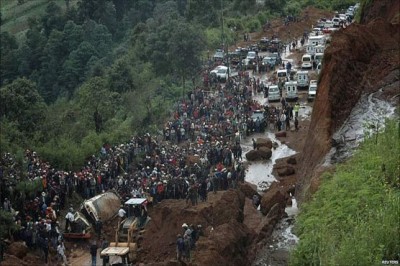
point(127, 233)
point(102, 207)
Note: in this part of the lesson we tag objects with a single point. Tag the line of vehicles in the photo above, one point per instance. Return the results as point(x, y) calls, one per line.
point(291, 80)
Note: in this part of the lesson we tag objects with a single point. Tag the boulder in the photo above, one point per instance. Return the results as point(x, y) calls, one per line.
point(262, 153)
point(270, 198)
point(18, 249)
point(248, 190)
point(291, 160)
point(286, 170)
point(280, 134)
point(265, 153)
point(263, 142)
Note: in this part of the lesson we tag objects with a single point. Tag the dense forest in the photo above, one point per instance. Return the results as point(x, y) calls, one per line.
point(89, 72)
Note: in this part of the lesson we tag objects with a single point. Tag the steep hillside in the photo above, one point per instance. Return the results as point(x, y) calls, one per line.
point(361, 59)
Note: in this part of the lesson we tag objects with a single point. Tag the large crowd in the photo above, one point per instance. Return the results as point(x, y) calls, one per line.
point(197, 152)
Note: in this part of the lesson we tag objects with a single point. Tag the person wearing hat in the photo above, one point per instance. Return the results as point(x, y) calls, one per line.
point(69, 219)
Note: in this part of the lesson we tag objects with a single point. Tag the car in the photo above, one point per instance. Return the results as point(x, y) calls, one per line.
point(251, 56)
point(269, 61)
point(215, 70)
point(306, 61)
point(273, 93)
point(219, 55)
point(312, 90)
point(223, 73)
point(264, 44)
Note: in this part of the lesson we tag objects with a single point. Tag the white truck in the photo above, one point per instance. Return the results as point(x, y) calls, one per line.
point(317, 40)
point(302, 79)
point(291, 93)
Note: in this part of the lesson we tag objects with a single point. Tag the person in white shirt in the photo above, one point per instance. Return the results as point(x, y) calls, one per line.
point(61, 252)
point(121, 214)
point(69, 219)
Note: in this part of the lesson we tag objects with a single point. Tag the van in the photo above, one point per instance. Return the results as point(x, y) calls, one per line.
point(274, 93)
point(306, 61)
point(319, 49)
point(316, 40)
point(336, 22)
point(310, 49)
point(312, 90)
point(281, 74)
point(328, 24)
point(318, 57)
point(302, 79)
point(291, 91)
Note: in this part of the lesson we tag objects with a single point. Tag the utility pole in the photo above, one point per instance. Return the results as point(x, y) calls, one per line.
point(224, 45)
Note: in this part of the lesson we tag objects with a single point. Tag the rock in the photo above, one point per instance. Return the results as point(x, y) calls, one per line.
point(262, 153)
point(18, 249)
point(263, 142)
point(270, 198)
point(286, 170)
point(252, 155)
point(248, 190)
point(265, 153)
point(227, 245)
point(291, 160)
point(276, 211)
point(280, 134)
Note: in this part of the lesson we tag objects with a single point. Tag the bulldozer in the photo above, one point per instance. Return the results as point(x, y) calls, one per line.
point(127, 233)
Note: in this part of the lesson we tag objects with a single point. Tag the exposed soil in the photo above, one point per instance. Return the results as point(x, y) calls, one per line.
point(360, 60)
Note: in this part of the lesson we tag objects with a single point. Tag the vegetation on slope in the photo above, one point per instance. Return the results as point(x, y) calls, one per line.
point(354, 217)
point(103, 70)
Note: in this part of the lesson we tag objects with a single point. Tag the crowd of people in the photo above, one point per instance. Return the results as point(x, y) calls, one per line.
point(198, 151)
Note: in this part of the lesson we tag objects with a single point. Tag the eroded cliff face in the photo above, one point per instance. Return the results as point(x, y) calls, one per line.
point(360, 59)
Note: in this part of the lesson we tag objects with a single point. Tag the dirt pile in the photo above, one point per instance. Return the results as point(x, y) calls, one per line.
point(361, 59)
point(221, 218)
point(385, 9)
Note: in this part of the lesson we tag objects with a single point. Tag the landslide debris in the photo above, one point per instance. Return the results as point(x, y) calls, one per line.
point(361, 59)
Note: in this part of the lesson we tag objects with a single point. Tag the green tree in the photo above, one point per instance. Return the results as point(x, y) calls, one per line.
point(8, 55)
point(75, 67)
point(21, 102)
point(120, 76)
point(96, 101)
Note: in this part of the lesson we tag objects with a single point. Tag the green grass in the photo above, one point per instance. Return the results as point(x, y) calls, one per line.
point(15, 17)
point(354, 218)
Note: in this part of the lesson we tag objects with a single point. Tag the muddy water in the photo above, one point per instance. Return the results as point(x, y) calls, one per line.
point(366, 118)
point(260, 173)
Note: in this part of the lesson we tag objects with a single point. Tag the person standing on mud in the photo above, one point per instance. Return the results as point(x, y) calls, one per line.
point(93, 253)
point(180, 247)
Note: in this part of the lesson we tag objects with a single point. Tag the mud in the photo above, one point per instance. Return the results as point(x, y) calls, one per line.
point(360, 60)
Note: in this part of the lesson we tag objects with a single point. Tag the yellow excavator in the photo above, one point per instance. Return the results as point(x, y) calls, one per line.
point(126, 233)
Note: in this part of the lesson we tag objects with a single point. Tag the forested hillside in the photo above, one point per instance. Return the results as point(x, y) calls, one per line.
point(91, 72)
